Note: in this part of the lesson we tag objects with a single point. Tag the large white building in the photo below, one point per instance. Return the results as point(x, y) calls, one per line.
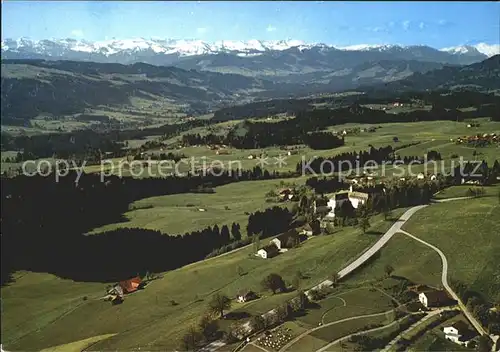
point(356, 199)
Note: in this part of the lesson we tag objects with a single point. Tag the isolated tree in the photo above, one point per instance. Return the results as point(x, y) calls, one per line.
point(235, 231)
point(388, 270)
point(224, 234)
point(300, 302)
point(191, 339)
point(283, 312)
point(218, 304)
point(208, 327)
point(256, 242)
point(364, 223)
point(335, 278)
point(273, 282)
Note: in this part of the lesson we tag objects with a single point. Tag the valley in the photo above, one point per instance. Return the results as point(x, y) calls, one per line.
point(241, 195)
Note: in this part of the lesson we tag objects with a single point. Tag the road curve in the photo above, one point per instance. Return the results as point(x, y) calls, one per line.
point(396, 227)
point(444, 280)
point(324, 348)
point(284, 348)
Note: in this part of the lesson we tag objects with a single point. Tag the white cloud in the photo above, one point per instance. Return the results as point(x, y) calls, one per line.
point(77, 33)
point(391, 24)
point(421, 25)
point(201, 30)
point(270, 28)
point(406, 25)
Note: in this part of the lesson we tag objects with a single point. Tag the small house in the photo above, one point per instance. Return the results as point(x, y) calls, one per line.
point(420, 176)
point(459, 332)
point(288, 239)
point(358, 198)
point(245, 296)
point(432, 299)
point(268, 251)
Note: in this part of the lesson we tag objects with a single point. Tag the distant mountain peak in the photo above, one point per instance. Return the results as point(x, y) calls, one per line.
point(481, 48)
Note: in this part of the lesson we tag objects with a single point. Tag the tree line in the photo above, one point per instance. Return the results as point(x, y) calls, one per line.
point(43, 221)
point(253, 135)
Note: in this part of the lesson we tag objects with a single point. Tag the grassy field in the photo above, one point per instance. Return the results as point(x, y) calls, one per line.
point(179, 213)
point(334, 332)
point(434, 135)
point(409, 258)
point(351, 303)
point(467, 232)
point(57, 313)
point(460, 191)
point(77, 346)
point(321, 337)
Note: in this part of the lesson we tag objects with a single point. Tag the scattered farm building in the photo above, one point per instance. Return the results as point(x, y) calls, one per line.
point(268, 251)
point(431, 299)
point(459, 332)
point(131, 285)
point(356, 199)
point(245, 296)
point(289, 239)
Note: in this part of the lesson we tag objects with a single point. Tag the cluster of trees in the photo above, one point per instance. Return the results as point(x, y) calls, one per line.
point(162, 156)
point(478, 171)
point(208, 329)
point(346, 161)
point(54, 233)
point(252, 135)
point(269, 222)
point(326, 185)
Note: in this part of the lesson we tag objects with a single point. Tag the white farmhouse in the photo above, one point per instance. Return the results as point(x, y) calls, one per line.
point(434, 299)
point(356, 199)
point(268, 251)
point(459, 332)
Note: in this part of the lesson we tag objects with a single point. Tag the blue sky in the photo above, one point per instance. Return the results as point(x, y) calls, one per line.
point(438, 24)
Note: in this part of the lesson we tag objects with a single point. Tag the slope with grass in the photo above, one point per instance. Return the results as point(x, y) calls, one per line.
point(180, 213)
point(467, 232)
point(149, 319)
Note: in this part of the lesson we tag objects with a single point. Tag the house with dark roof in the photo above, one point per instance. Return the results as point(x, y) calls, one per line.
point(432, 299)
point(459, 332)
point(289, 239)
point(268, 251)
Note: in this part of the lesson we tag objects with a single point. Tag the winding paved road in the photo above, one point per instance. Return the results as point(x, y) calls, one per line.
point(444, 280)
point(396, 227)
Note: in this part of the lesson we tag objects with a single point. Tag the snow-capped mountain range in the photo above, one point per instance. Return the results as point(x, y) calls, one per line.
point(197, 47)
point(255, 58)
